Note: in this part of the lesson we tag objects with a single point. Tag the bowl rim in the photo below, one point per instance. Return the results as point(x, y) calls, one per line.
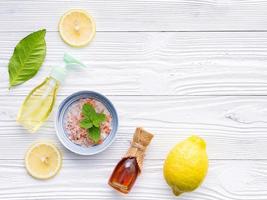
point(61, 135)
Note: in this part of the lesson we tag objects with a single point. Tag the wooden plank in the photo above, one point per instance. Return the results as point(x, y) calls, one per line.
point(234, 127)
point(155, 64)
point(87, 179)
point(141, 15)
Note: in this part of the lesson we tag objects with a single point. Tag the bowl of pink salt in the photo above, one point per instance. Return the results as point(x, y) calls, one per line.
point(86, 122)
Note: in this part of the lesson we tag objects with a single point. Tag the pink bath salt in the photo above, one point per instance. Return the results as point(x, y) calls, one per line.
point(74, 115)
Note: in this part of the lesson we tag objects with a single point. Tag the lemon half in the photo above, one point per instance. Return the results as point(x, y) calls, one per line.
point(77, 27)
point(43, 160)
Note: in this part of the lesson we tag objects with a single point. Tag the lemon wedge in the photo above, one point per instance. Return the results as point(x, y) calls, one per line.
point(43, 160)
point(77, 28)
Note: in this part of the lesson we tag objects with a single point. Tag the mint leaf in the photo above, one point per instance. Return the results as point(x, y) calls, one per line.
point(27, 58)
point(88, 110)
point(98, 119)
point(92, 121)
point(86, 123)
point(94, 134)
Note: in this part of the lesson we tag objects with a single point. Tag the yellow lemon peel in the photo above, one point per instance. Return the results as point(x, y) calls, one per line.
point(186, 165)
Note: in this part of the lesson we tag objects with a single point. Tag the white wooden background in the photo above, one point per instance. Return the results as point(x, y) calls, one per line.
point(175, 67)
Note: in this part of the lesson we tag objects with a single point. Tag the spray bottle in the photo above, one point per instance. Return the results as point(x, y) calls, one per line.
point(40, 101)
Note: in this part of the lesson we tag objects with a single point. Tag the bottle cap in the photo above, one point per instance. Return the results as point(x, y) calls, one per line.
point(60, 72)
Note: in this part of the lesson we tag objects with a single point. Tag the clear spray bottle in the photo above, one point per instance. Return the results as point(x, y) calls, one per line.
point(40, 101)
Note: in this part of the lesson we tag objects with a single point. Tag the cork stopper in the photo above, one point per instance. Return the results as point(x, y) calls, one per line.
point(141, 140)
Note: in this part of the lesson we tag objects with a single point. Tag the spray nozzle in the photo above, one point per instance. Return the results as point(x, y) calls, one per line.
point(71, 63)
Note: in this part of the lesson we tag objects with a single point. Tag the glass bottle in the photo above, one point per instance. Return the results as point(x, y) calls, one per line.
point(129, 167)
point(124, 175)
point(39, 103)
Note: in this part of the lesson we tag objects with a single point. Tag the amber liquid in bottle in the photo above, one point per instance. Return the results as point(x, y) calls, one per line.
point(124, 175)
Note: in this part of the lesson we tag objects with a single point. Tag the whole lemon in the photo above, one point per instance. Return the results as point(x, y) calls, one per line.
point(186, 165)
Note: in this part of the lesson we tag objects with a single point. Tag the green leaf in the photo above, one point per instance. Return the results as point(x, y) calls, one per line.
point(27, 58)
point(94, 134)
point(88, 110)
point(98, 119)
point(86, 123)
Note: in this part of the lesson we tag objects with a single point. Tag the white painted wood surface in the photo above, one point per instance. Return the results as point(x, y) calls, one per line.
point(139, 15)
point(176, 67)
point(90, 182)
point(130, 63)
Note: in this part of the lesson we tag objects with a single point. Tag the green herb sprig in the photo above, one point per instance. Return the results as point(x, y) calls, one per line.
point(92, 121)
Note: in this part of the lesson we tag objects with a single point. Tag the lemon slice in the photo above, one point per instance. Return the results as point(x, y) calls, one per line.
point(43, 160)
point(77, 28)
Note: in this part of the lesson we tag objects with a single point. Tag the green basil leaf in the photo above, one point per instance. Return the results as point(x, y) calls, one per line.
point(86, 123)
point(27, 58)
point(94, 134)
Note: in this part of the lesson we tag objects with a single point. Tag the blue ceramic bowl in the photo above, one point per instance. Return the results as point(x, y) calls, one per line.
point(63, 135)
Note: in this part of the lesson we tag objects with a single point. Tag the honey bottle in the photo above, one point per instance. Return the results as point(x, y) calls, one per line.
point(129, 167)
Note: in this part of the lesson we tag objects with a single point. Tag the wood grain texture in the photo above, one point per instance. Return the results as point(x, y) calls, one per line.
point(234, 127)
point(141, 15)
point(155, 64)
point(175, 67)
point(226, 180)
